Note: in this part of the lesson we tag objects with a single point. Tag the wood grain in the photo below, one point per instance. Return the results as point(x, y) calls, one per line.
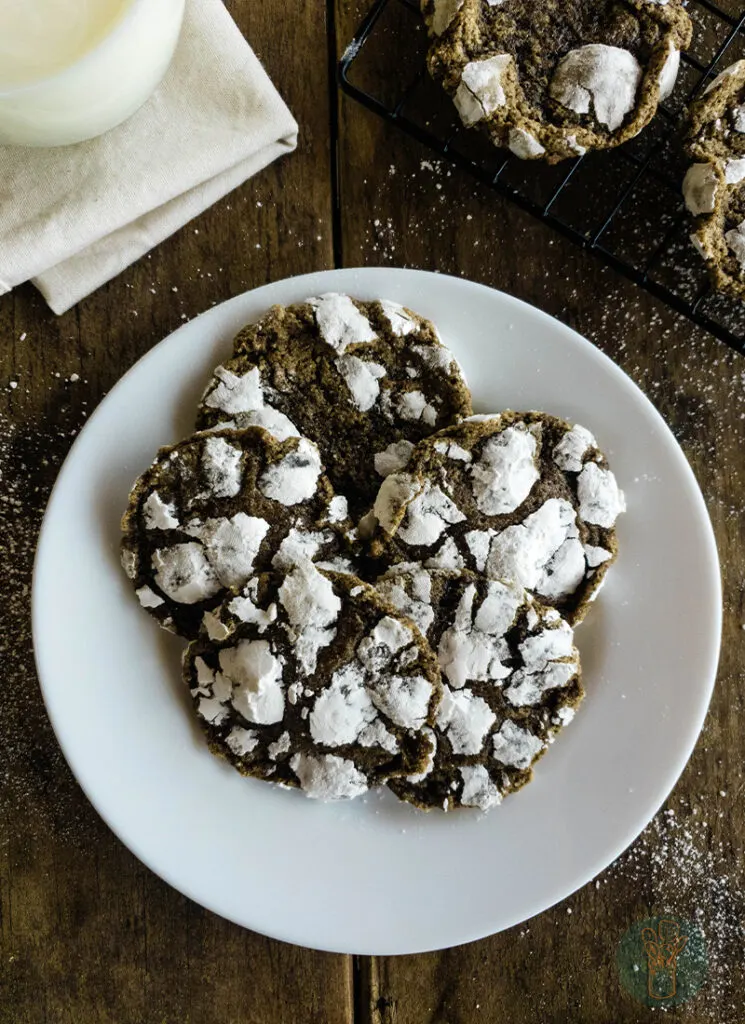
point(87, 934)
point(407, 208)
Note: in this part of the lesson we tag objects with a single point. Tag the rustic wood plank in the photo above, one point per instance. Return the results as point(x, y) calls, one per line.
point(87, 934)
point(406, 208)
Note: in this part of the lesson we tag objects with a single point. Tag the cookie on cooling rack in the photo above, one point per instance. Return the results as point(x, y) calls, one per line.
point(553, 79)
point(519, 496)
point(364, 380)
point(321, 685)
point(511, 679)
point(714, 185)
point(217, 508)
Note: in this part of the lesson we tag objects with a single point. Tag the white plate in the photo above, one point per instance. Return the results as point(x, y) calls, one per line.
point(376, 876)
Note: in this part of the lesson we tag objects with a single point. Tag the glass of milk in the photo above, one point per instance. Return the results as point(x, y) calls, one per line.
point(72, 69)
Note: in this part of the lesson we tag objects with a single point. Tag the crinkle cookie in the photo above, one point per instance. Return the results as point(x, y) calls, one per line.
point(714, 186)
point(553, 79)
point(217, 508)
point(517, 496)
point(511, 678)
point(321, 685)
point(364, 380)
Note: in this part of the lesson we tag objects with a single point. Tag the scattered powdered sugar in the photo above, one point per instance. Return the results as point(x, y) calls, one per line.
point(465, 719)
point(328, 777)
point(159, 515)
point(568, 454)
point(295, 477)
point(340, 322)
point(678, 867)
point(394, 458)
point(184, 573)
point(221, 465)
point(478, 789)
point(234, 394)
point(506, 471)
point(600, 500)
point(515, 746)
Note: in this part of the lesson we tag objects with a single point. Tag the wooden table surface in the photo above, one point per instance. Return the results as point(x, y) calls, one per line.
point(90, 936)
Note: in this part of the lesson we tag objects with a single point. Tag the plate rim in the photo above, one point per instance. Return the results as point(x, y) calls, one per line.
point(542, 319)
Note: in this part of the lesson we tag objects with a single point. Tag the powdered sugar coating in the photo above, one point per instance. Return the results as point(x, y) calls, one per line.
point(362, 379)
point(340, 322)
point(482, 88)
point(512, 681)
point(343, 710)
point(295, 478)
point(465, 719)
point(231, 545)
point(600, 79)
point(570, 451)
point(601, 500)
point(158, 514)
point(515, 746)
point(255, 673)
point(198, 525)
point(394, 458)
point(427, 516)
point(327, 777)
point(316, 666)
point(523, 497)
point(312, 608)
point(233, 393)
point(184, 574)
point(505, 472)
point(401, 322)
point(478, 789)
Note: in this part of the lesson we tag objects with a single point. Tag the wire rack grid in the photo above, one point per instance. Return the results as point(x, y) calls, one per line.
point(624, 205)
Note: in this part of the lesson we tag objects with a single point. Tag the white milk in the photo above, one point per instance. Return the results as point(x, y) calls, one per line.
point(72, 69)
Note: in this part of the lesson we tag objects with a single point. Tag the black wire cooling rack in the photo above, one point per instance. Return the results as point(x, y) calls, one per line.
point(624, 205)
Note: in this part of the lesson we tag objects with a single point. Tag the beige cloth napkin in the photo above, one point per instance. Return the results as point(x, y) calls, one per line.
point(73, 218)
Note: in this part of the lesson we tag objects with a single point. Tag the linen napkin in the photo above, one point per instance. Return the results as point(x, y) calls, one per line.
point(73, 218)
